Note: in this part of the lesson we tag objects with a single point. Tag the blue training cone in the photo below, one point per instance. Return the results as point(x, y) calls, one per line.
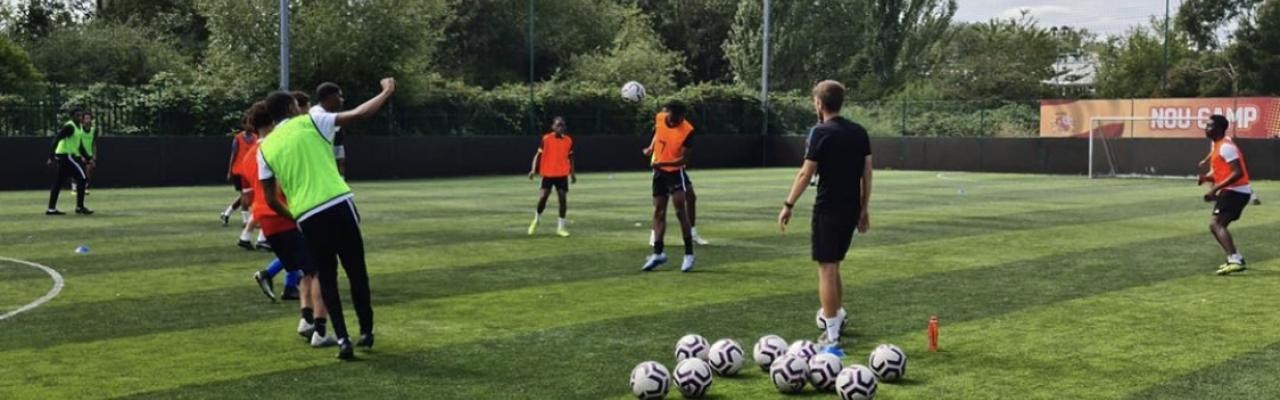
point(82, 249)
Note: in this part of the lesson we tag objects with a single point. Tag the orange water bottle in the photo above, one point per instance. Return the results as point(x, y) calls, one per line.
point(933, 333)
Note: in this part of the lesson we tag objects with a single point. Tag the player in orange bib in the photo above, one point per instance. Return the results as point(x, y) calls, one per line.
point(554, 161)
point(288, 244)
point(239, 147)
point(1230, 191)
point(669, 155)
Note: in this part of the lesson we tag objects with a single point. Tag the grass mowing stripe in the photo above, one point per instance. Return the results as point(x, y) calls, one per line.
point(145, 314)
point(1105, 346)
point(611, 347)
point(448, 321)
point(1248, 376)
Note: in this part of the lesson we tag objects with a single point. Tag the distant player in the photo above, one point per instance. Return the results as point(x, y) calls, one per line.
point(89, 148)
point(672, 141)
point(1231, 191)
point(243, 170)
point(554, 161)
point(839, 151)
point(239, 147)
point(298, 156)
point(329, 97)
point(290, 247)
point(65, 155)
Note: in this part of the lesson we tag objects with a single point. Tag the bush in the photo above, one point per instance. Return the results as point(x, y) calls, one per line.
point(104, 53)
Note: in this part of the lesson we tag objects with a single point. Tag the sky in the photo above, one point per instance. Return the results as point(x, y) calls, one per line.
point(1101, 16)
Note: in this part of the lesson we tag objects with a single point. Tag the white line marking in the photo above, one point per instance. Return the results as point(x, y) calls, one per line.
point(944, 176)
point(53, 292)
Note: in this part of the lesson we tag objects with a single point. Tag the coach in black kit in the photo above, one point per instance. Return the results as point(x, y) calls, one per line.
point(839, 152)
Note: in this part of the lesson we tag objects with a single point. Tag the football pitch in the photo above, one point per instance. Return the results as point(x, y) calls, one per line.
point(1045, 287)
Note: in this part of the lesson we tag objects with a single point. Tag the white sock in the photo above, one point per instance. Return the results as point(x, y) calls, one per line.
point(537, 217)
point(244, 235)
point(560, 223)
point(228, 210)
point(261, 238)
point(833, 325)
point(1235, 258)
point(244, 216)
point(693, 230)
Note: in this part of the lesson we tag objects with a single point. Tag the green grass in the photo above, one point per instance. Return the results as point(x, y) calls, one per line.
point(1046, 287)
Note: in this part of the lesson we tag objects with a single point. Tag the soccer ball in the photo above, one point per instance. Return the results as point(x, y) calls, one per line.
point(691, 346)
point(888, 362)
point(692, 377)
point(856, 383)
point(633, 91)
point(803, 349)
point(726, 357)
point(823, 369)
point(649, 381)
point(789, 373)
point(768, 349)
point(822, 321)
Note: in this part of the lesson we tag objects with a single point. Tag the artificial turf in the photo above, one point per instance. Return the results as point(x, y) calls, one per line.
point(1046, 287)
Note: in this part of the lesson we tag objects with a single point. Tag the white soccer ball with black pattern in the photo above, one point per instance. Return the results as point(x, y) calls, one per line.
point(650, 381)
point(693, 377)
point(823, 369)
point(803, 348)
point(856, 382)
point(789, 373)
point(633, 91)
point(726, 357)
point(691, 346)
point(822, 321)
point(768, 349)
point(888, 362)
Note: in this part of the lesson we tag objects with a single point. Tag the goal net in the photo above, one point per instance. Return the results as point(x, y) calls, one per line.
point(1112, 153)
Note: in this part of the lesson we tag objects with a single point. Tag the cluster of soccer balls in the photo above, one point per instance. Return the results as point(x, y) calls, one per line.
point(790, 367)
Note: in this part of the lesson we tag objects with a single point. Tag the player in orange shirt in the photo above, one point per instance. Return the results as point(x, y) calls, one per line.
point(1230, 192)
point(288, 243)
point(239, 147)
point(672, 141)
point(554, 161)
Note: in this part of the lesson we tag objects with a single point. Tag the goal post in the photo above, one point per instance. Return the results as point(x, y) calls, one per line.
point(1103, 132)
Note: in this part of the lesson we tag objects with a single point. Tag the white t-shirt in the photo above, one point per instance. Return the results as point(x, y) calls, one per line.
point(339, 150)
point(1229, 153)
point(326, 123)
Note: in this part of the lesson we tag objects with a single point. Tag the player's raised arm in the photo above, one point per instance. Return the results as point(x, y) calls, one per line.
point(368, 108)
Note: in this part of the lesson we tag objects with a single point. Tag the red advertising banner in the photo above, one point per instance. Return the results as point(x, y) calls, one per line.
point(1250, 117)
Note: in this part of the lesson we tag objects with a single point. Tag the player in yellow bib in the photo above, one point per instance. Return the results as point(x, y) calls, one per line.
point(298, 156)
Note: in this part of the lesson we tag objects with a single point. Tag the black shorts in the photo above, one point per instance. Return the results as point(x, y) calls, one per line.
point(291, 248)
point(1231, 204)
point(236, 183)
point(561, 183)
point(668, 183)
point(832, 235)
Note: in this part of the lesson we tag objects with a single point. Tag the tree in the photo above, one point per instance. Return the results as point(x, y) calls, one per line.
point(104, 53)
point(1201, 19)
point(350, 43)
point(1257, 51)
point(1132, 65)
point(32, 20)
point(809, 41)
point(697, 29)
point(1000, 59)
point(903, 31)
point(636, 54)
point(17, 74)
point(177, 19)
point(488, 39)
point(874, 44)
